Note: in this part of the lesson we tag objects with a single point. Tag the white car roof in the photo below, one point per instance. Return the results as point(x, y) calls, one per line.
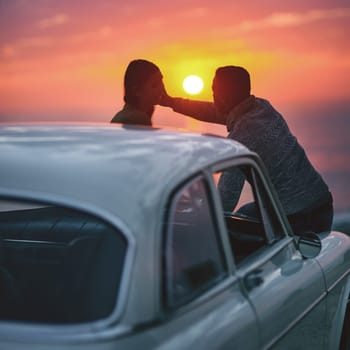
point(124, 170)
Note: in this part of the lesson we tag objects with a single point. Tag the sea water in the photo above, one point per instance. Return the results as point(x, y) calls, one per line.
point(324, 133)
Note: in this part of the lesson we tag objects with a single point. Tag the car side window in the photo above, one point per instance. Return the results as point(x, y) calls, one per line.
point(249, 217)
point(57, 265)
point(193, 255)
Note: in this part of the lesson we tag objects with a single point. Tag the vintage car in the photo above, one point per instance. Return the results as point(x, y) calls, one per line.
point(116, 237)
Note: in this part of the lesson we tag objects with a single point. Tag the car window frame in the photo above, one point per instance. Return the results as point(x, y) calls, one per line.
point(80, 331)
point(269, 194)
point(261, 180)
point(227, 261)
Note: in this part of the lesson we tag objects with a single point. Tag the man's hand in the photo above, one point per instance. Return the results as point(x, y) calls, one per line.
point(165, 99)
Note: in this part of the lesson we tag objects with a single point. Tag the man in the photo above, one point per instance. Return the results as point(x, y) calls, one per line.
point(143, 86)
point(256, 124)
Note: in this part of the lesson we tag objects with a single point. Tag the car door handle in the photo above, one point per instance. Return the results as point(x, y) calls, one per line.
point(253, 280)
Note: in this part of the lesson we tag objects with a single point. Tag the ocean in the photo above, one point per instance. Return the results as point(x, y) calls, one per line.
point(324, 132)
point(325, 135)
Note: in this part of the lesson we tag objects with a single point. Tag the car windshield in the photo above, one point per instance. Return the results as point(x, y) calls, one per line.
point(57, 265)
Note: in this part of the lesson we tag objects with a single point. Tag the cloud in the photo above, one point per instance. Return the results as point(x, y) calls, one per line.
point(26, 43)
point(34, 42)
point(98, 34)
point(196, 12)
point(37, 42)
point(54, 21)
point(289, 19)
point(8, 51)
point(156, 22)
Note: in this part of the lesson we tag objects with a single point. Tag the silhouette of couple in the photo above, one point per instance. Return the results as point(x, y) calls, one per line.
point(250, 120)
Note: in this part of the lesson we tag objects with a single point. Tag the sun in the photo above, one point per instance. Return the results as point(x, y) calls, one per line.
point(193, 84)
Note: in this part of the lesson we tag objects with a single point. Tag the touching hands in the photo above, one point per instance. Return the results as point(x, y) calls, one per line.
point(165, 99)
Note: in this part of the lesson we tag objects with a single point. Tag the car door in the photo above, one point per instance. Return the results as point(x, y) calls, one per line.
point(203, 304)
point(289, 298)
point(286, 290)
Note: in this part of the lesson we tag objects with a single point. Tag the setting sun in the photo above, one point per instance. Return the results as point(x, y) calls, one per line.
point(193, 84)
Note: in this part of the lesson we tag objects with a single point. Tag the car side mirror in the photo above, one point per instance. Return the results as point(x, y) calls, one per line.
point(309, 245)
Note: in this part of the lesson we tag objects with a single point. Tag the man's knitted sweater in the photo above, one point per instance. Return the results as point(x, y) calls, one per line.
point(257, 125)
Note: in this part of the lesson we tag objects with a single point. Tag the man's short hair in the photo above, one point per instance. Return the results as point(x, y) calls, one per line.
point(235, 77)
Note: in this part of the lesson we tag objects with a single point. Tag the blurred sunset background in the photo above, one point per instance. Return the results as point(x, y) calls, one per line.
point(65, 60)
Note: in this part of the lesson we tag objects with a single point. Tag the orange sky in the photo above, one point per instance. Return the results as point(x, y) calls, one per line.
point(65, 60)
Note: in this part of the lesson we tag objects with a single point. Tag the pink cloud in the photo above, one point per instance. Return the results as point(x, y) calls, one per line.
point(289, 19)
point(54, 21)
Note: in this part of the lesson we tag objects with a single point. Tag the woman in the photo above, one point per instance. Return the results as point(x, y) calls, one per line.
point(143, 87)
